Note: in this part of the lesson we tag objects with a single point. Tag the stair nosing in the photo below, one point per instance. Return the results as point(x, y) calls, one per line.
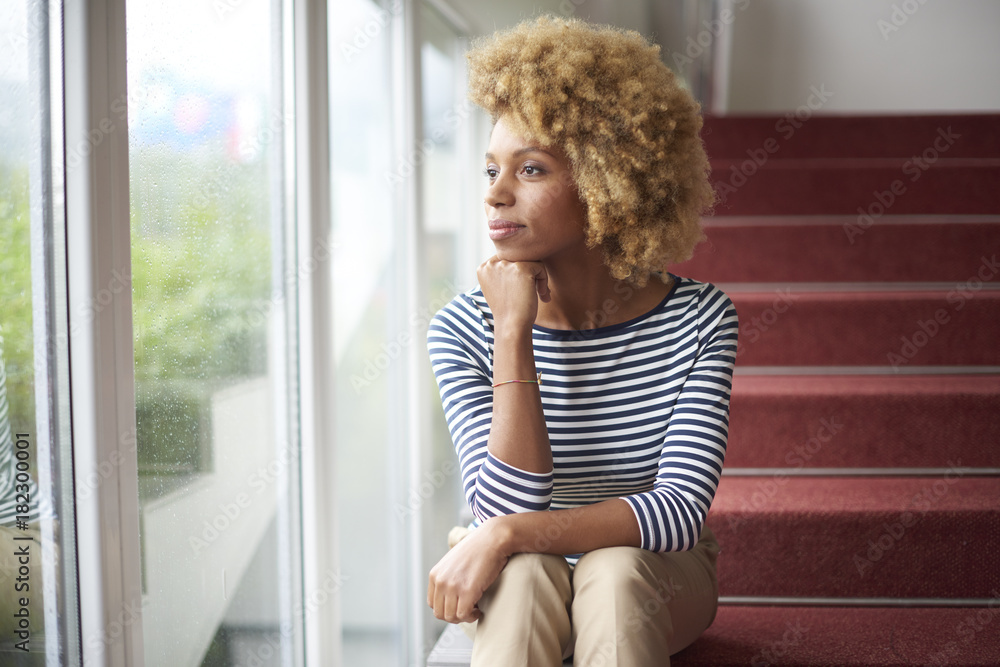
point(867, 370)
point(805, 288)
point(791, 601)
point(782, 163)
point(840, 219)
point(855, 472)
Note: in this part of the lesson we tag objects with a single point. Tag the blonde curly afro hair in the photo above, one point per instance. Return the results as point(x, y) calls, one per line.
point(631, 133)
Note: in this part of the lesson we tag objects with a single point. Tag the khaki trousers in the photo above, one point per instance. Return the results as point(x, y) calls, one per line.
point(10, 595)
point(620, 606)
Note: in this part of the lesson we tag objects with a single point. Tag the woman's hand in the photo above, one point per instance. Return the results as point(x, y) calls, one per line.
point(460, 578)
point(512, 289)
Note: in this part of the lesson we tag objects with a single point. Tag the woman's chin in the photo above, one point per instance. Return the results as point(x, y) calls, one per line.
point(508, 254)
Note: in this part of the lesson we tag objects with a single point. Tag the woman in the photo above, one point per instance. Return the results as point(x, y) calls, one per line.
point(586, 389)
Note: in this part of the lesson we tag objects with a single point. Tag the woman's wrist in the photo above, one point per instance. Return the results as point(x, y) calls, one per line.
point(512, 332)
point(502, 533)
point(514, 356)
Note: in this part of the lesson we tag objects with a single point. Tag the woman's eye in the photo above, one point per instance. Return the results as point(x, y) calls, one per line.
point(530, 170)
point(490, 173)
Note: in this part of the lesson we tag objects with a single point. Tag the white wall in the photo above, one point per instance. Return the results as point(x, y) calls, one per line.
point(874, 55)
point(922, 56)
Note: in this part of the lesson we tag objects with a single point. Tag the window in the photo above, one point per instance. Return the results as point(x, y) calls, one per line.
point(453, 133)
point(38, 606)
point(213, 278)
point(172, 260)
point(369, 355)
point(400, 231)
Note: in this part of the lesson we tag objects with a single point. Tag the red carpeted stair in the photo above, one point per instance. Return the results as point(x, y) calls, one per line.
point(859, 515)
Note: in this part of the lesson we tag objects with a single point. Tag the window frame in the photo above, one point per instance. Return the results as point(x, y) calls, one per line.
point(102, 372)
point(102, 386)
point(312, 221)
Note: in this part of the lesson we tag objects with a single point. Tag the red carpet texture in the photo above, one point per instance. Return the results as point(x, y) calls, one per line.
point(847, 637)
point(859, 515)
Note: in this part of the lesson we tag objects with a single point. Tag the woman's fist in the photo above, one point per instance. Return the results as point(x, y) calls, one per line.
point(512, 289)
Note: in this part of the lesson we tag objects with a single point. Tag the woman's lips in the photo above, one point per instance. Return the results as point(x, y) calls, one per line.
point(502, 229)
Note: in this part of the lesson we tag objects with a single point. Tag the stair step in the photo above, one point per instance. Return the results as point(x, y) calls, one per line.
point(454, 649)
point(859, 421)
point(847, 637)
point(851, 537)
point(855, 187)
point(793, 326)
point(844, 248)
point(972, 136)
point(819, 636)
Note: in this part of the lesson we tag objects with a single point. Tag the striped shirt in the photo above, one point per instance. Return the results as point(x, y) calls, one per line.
point(16, 485)
point(637, 410)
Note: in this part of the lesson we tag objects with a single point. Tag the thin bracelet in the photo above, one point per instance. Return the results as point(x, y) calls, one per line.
point(538, 380)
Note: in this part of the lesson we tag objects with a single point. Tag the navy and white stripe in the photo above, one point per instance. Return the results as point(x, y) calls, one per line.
point(13, 491)
point(638, 410)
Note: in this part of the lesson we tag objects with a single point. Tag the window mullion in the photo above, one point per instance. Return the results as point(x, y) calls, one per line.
point(316, 364)
point(101, 346)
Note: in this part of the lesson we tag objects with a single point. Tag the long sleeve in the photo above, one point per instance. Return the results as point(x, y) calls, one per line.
point(637, 410)
point(672, 514)
point(458, 343)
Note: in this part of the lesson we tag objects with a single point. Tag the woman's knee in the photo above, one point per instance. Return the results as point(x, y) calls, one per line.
point(529, 572)
point(528, 579)
point(530, 598)
point(619, 571)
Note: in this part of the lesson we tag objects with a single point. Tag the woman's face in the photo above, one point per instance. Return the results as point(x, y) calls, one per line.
point(532, 207)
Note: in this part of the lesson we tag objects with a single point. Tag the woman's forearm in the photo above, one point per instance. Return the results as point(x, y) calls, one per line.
point(518, 435)
point(609, 523)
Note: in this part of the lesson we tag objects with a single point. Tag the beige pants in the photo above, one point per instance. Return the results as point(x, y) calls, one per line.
point(620, 606)
point(14, 586)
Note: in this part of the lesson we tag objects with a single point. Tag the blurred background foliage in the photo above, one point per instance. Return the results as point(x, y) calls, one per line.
point(201, 276)
point(15, 294)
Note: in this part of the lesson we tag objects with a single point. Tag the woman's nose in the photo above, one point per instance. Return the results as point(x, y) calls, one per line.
point(499, 193)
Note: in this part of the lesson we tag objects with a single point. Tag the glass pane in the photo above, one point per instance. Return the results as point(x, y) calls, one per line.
point(366, 299)
point(38, 602)
point(449, 178)
point(217, 465)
